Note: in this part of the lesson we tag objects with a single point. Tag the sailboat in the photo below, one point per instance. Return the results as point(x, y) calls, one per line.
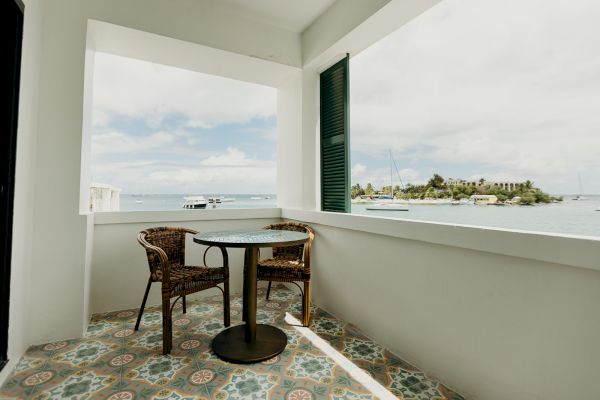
point(389, 206)
point(580, 196)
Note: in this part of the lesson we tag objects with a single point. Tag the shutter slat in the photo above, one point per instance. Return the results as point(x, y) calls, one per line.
point(335, 177)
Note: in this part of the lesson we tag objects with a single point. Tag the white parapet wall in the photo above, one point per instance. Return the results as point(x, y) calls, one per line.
point(120, 271)
point(494, 314)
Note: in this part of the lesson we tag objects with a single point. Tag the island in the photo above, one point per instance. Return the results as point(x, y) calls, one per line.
point(439, 191)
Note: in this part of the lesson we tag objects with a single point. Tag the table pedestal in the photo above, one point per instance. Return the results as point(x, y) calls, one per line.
point(249, 343)
point(231, 345)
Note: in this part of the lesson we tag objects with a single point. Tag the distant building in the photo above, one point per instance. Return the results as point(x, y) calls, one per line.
point(460, 182)
point(505, 185)
point(104, 197)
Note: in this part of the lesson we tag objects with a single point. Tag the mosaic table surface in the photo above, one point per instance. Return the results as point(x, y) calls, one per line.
point(114, 362)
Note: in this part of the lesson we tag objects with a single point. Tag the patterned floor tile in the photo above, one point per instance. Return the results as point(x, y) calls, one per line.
point(114, 362)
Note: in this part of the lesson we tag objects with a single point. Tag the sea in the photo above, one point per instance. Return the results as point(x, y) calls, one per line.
point(573, 217)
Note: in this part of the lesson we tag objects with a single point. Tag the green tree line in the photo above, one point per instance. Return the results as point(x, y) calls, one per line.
point(437, 188)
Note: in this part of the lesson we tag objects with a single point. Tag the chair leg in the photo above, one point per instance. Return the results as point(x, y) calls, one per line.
point(268, 290)
point(184, 305)
point(167, 326)
point(306, 304)
point(226, 311)
point(244, 297)
point(139, 318)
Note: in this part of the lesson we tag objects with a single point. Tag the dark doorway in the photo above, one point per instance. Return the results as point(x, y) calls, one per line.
point(12, 19)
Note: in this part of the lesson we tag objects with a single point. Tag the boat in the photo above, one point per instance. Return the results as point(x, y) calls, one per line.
point(139, 202)
point(392, 206)
point(387, 207)
point(194, 202)
point(455, 203)
point(580, 196)
point(260, 197)
point(426, 201)
point(220, 199)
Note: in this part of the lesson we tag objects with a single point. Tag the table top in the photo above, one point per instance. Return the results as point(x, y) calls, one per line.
point(252, 238)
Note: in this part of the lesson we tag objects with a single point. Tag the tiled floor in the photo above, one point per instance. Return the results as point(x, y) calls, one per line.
point(112, 362)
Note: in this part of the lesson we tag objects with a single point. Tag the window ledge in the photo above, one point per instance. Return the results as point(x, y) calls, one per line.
point(573, 250)
point(136, 217)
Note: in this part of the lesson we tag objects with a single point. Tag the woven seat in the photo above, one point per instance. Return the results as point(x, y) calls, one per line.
point(290, 264)
point(283, 268)
point(165, 250)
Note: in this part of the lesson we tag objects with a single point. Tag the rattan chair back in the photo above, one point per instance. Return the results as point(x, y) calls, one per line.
point(170, 241)
point(292, 252)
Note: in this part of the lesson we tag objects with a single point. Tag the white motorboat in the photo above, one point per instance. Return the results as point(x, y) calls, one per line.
point(194, 202)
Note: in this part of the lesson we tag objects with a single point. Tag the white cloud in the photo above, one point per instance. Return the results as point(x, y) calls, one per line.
point(229, 172)
point(137, 89)
point(114, 142)
point(358, 169)
point(512, 87)
point(216, 179)
point(232, 158)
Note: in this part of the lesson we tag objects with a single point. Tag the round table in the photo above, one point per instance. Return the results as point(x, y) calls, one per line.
point(251, 342)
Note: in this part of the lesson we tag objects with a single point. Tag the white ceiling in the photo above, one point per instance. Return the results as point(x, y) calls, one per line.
point(293, 15)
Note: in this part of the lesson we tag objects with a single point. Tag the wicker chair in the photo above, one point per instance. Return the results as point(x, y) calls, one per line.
point(290, 264)
point(165, 248)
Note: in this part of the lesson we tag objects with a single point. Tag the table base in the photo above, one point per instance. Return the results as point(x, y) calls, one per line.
point(230, 345)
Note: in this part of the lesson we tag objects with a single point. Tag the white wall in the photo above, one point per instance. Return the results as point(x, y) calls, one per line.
point(59, 237)
point(489, 325)
point(120, 268)
point(339, 19)
point(18, 337)
point(87, 274)
point(350, 26)
point(289, 142)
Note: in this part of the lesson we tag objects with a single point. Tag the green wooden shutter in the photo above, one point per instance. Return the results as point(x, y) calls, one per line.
point(335, 146)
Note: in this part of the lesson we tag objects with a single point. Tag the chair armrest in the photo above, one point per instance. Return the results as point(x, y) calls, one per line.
point(308, 250)
point(165, 266)
point(223, 252)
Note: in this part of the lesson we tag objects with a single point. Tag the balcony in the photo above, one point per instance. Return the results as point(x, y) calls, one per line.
point(406, 309)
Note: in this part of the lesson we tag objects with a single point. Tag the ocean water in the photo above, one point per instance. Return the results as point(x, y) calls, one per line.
point(569, 217)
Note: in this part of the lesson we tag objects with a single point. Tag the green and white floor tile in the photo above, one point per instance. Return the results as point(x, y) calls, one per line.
point(333, 360)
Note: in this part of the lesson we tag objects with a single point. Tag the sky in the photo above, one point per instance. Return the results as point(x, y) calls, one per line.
point(499, 89)
point(163, 130)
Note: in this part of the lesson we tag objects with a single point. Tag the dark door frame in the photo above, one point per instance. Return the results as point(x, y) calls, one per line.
point(13, 12)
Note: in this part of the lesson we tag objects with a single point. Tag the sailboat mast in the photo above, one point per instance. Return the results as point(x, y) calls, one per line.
point(391, 176)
